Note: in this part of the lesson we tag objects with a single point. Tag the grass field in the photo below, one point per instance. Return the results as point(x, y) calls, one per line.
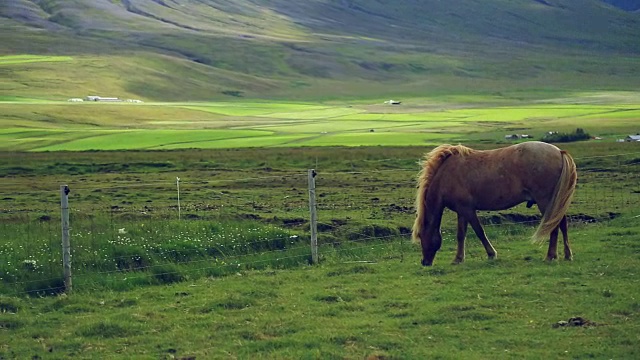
point(189, 218)
point(231, 278)
point(227, 274)
point(51, 126)
point(381, 307)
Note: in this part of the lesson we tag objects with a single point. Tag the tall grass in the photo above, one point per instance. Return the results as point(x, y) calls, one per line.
point(32, 256)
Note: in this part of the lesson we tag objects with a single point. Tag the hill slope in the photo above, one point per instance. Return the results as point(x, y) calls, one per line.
point(203, 49)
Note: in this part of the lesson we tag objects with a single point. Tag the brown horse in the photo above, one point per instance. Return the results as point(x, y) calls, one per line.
point(465, 180)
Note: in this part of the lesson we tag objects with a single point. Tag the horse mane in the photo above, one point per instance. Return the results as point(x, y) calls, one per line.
point(430, 165)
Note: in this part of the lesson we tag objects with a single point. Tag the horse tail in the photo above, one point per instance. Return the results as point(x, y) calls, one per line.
point(562, 195)
point(430, 165)
point(421, 200)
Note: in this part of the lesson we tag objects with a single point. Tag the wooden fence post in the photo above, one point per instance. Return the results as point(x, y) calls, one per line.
point(313, 216)
point(178, 185)
point(66, 246)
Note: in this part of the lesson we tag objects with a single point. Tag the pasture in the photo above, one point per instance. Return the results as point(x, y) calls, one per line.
point(29, 125)
point(227, 275)
point(381, 307)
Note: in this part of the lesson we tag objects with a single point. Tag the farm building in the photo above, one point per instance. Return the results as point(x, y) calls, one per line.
point(100, 98)
point(75, 100)
point(393, 102)
point(631, 138)
point(517, 136)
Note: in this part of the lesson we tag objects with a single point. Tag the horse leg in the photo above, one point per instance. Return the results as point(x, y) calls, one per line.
point(462, 233)
point(565, 237)
point(552, 253)
point(477, 228)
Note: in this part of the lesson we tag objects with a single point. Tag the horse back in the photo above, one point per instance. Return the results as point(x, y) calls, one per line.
point(501, 178)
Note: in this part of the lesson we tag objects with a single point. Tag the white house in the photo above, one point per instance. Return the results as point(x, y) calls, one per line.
point(100, 98)
point(631, 138)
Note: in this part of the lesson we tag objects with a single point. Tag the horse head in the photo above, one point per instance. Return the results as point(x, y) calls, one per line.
point(431, 240)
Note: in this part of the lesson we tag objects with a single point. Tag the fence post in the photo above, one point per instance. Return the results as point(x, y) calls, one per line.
point(66, 246)
point(313, 216)
point(178, 185)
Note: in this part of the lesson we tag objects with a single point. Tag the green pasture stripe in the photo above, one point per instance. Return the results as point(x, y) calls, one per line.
point(22, 59)
point(527, 113)
point(147, 139)
point(251, 108)
point(17, 99)
point(615, 114)
point(322, 127)
point(516, 113)
point(243, 142)
point(310, 114)
point(31, 126)
point(422, 116)
point(377, 139)
point(12, 131)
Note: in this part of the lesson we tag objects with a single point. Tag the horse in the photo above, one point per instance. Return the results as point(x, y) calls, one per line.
point(465, 180)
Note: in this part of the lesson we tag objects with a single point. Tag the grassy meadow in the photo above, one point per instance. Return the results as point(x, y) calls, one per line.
point(379, 307)
point(189, 219)
point(61, 126)
point(229, 277)
point(228, 253)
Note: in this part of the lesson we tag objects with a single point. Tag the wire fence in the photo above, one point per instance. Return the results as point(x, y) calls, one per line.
point(127, 230)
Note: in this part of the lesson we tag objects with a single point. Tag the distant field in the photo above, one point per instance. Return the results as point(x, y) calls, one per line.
point(53, 126)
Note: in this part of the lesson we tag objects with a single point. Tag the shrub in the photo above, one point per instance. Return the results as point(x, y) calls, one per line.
point(131, 258)
point(45, 287)
point(578, 135)
point(167, 274)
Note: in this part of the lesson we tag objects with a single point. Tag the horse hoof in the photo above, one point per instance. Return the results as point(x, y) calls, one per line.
point(457, 261)
point(570, 258)
point(550, 258)
point(425, 263)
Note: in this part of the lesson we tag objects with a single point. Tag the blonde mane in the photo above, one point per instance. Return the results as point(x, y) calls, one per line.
point(430, 165)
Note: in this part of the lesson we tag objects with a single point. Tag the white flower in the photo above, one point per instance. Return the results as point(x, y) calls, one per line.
point(30, 264)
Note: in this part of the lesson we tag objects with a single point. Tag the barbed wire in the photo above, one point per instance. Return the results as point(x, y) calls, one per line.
point(361, 236)
point(187, 180)
point(364, 240)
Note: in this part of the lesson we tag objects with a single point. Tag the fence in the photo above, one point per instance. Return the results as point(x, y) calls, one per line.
point(127, 230)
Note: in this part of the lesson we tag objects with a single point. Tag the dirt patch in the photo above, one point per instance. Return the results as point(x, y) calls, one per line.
point(393, 208)
point(584, 218)
point(515, 218)
point(575, 322)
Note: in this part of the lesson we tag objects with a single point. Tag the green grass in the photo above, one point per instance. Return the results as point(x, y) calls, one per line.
point(378, 139)
point(54, 126)
point(22, 59)
point(363, 193)
point(231, 278)
point(142, 139)
point(383, 309)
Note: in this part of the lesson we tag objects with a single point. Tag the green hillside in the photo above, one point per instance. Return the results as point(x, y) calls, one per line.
point(217, 49)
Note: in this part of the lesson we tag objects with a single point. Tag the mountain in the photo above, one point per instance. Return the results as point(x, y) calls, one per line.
point(628, 5)
point(205, 49)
